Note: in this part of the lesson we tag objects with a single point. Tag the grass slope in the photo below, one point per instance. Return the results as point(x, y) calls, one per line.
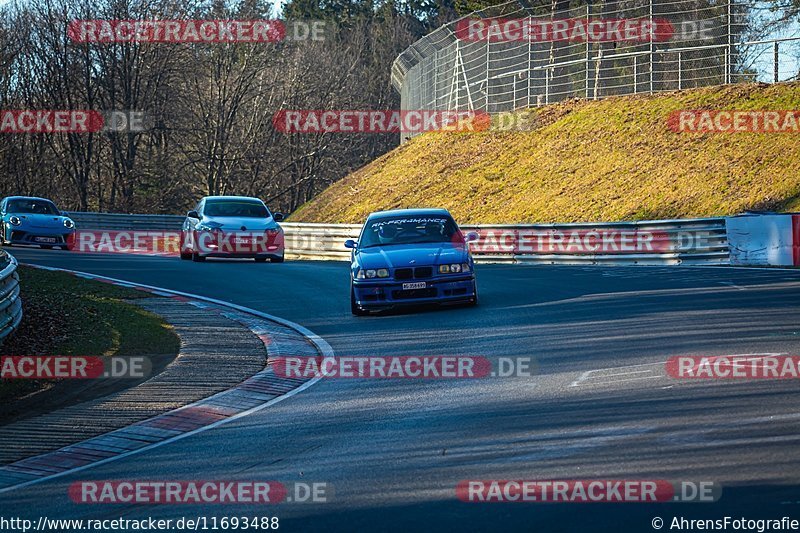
point(68, 315)
point(606, 160)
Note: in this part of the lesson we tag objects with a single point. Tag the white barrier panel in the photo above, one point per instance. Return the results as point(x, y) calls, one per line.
point(763, 239)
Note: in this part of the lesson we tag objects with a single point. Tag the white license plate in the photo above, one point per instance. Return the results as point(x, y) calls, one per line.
point(45, 239)
point(241, 240)
point(408, 286)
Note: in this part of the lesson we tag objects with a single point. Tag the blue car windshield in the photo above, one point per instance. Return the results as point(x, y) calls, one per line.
point(36, 207)
point(235, 208)
point(410, 230)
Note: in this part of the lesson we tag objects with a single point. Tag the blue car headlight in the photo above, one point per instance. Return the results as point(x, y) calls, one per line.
point(454, 268)
point(15, 221)
point(372, 273)
point(69, 224)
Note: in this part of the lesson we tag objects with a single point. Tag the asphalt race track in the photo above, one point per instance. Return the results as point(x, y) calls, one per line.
point(394, 450)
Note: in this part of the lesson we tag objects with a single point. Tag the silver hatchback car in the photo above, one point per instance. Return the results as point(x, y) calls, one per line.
point(232, 226)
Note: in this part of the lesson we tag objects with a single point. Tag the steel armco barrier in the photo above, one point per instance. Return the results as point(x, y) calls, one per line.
point(653, 242)
point(659, 242)
point(124, 222)
point(10, 302)
point(319, 241)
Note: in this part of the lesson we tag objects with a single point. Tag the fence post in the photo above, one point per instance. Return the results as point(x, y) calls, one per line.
point(680, 70)
point(588, 47)
point(725, 74)
point(530, 64)
point(436, 80)
point(454, 81)
point(546, 86)
point(652, 48)
point(486, 79)
point(514, 93)
point(635, 74)
point(729, 49)
point(776, 76)
point(597, 72)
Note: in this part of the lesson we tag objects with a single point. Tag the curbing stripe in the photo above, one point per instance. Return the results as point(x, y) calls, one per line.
point(252, 395)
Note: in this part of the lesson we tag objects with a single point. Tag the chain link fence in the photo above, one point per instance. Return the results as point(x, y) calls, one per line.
point(519, 54)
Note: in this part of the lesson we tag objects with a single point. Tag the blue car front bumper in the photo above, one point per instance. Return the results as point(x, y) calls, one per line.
point(383, 294)
point(36, 236)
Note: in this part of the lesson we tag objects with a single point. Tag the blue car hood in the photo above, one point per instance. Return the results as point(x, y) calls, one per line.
point(402, 255)
point(33, 220)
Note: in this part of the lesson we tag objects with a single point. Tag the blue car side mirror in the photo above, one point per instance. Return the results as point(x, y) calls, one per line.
point(350, 243)
point(472, 236)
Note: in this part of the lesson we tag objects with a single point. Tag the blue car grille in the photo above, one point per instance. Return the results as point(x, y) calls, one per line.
point(415, 273)
point(403, 273)
point(423, 272)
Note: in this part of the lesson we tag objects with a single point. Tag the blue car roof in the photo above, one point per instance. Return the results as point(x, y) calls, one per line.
point(36, 198)
point(409, 212)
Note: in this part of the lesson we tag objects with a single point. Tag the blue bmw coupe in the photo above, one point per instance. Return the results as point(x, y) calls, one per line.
point(408, 257)
point(31, 220)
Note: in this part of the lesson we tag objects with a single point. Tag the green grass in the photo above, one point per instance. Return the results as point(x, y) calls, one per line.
point(67, 315)
point(584, 161)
